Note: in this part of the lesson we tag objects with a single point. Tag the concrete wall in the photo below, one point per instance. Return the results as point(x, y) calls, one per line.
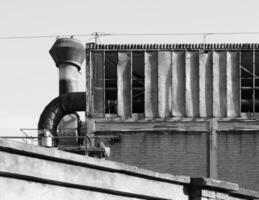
point(41, 173)
point(31, 172)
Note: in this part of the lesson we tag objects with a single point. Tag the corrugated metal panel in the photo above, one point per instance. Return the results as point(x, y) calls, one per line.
point(164, 83)
point(124, 84)
point(219, 83)
point(97, 65)
point(205, 84)
point(181, 80)
point(151, 84)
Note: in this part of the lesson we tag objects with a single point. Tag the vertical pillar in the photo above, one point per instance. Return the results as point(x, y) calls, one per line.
point(97, 65)
point(88, 82)
point(205, 84)
point(192, 83)
point(151, 82)
point(88, 120)
point(178, 83)
point(164, 83)
point(124, 84)
point(219, 83)
point(212, 149)
point(233, 92)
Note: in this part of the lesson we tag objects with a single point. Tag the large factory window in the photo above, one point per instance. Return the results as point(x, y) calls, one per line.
point(111, 61)
point(138, 83)
point(249, 81)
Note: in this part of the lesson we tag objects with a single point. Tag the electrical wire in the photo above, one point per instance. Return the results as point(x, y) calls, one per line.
point(169, 34)
point(43, 36)
point(100, 34)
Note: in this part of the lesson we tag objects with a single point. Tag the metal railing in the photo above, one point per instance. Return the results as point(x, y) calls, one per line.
point(46, 139)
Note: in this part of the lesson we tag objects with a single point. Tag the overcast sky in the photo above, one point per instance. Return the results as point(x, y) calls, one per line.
point(29, 78)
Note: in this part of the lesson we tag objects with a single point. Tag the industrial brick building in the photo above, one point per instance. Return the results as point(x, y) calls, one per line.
point(183, 109)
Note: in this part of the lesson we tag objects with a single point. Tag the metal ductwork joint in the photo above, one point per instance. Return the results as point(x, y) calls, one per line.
point(58, 108)
point(68, 54)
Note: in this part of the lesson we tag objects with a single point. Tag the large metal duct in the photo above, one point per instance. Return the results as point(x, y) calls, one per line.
point(68, 54)
point(58, 108)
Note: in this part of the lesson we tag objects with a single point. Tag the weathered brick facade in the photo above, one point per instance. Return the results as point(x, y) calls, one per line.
point(186, 153)
point(238, 158)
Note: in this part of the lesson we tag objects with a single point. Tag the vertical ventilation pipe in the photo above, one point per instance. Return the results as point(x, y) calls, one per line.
point(68, 55)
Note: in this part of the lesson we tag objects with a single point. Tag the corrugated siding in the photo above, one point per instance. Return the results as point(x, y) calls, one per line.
point(177, 83)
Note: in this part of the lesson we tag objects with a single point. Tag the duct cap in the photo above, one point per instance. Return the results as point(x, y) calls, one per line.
point(69, 51)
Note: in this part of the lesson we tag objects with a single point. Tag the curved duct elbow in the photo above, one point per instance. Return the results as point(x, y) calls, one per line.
point(58, 108)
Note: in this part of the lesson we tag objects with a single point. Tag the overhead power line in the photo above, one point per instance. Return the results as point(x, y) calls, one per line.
point(168, 34)
point(41, 36)
point(99, 34)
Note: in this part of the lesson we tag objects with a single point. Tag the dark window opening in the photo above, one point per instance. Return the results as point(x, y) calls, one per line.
point(249, 81)
point(138, 82)
point(256, 81)
point(111, 61)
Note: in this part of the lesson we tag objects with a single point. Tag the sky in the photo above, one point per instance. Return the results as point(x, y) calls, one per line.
point(28, 76)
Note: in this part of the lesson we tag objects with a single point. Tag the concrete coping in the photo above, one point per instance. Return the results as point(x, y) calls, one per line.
point(231, 189)
point(246, 193)
point(215, 184)
point(95, 163)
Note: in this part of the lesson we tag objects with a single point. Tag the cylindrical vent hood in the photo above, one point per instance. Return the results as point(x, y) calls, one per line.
point(68, 54)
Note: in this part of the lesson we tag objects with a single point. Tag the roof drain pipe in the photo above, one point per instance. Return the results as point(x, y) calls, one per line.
point(68, 54)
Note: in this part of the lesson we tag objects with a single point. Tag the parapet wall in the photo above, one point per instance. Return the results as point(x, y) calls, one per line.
point(32, 172)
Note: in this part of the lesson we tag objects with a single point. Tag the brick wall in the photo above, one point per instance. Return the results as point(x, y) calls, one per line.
point(205, 194)
point(184, 153)
point(238, 158)
point(181, 153)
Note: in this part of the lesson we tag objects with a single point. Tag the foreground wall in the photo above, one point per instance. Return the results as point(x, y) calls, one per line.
point(31, 172)
point(238, 158)
point(187, 153)
point(172, 152)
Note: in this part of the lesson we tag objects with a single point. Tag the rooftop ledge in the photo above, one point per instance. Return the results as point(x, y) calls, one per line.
point(19, 148)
